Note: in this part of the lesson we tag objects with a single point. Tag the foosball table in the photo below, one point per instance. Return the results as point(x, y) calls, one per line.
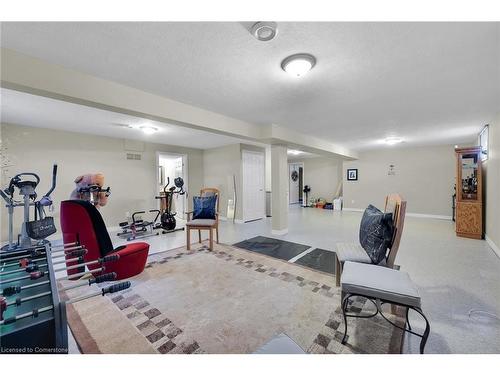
point(32, 312)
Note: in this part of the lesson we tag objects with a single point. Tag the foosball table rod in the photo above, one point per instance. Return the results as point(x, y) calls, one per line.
point(37, 248)
point(33, 266)
point(10, 290)
point(105, 259)
point(41, 254)
point(97, 280)
point(18, 301)
point(107, 290)
point(24, 262)
point(39, 274)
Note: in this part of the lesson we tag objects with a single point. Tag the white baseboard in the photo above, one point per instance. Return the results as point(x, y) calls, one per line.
point(409, 214)
point(429, 216)
point(279, 232)
point(238, 221)
point(352, 209)
point(493, 246)
point(222, 218)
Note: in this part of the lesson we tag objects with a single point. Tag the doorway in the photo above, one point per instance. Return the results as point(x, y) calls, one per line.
point(296, 182)
point(254, 198)
point(171, 166)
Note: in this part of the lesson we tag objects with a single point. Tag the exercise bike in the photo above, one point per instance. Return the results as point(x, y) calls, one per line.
point(42, 226)
point(168, 222)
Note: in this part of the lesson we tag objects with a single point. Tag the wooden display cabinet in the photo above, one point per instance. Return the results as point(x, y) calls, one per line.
point(469, 215)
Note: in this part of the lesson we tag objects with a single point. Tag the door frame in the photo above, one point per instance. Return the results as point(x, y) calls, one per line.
point(301, 164)
point(262, 153)
point(185, 174)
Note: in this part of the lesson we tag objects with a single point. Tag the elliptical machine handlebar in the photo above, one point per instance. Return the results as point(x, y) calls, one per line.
point(54, 179)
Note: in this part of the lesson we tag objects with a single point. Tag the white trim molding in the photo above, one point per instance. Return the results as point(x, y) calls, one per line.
point(429, 216)
point(280, 232)
point(238, 221)
point(409, 214)
point(493, 246)
point(352, 209)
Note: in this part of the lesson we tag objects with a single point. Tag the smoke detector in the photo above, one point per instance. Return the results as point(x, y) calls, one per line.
point(264, 31)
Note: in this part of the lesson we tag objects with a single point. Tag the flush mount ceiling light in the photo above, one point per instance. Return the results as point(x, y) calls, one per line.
point(299, 64)
point(147, 129)
point(392, 141)
point(264, 31)
point(295, 152)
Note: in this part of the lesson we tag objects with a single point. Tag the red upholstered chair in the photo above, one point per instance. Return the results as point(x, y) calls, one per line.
point(82, 222)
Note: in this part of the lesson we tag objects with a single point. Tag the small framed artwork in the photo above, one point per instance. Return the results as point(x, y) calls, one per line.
point(352, 175)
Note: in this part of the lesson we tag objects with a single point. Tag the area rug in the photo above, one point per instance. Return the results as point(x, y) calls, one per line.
point(272, 247)
point(224, 301)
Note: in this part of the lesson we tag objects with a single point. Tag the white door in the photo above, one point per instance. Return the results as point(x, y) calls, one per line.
point(254, 198)
point(293, 178)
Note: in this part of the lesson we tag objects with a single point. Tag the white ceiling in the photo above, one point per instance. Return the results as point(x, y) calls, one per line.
point(429, 83)
point(32, 110)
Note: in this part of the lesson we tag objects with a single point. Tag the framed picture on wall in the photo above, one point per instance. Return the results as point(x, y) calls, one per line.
point(352, 175)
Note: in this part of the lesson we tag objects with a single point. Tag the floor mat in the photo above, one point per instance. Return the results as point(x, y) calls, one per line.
point(272, 247)
point(319, 259)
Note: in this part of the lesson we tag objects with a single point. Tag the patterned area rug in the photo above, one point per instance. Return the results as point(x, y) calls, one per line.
point(226, 301)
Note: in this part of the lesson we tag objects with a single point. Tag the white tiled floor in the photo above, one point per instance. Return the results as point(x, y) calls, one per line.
point(454, 275)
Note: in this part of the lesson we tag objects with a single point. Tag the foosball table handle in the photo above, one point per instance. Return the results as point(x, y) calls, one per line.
point(102, 278)
point(109, 258)
point(116, 287)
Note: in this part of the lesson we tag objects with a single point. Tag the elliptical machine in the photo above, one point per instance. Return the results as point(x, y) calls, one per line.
point(42, 226)
point(167, 218)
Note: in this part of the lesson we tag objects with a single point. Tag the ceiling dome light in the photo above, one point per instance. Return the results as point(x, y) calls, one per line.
point(299, 64)
point(393, 140)
point(264, 31)
point(147, 129)
point(295, 152)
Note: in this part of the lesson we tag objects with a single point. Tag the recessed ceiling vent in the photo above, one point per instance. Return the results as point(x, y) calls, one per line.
point(131, 156)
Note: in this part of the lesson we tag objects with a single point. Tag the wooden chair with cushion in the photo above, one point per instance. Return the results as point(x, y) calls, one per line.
point(204, 224)
point(353, 252)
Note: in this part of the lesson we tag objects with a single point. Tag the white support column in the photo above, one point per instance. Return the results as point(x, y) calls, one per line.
point(279, 187)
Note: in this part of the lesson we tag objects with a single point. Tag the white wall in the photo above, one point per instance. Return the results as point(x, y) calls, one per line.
point(492, 179)
point(219, 166)
point(133, 182)
point(322, 175)
point(423, 175)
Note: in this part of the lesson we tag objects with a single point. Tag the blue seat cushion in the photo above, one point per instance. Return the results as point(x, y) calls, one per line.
point(204, 207)
point(375, 233)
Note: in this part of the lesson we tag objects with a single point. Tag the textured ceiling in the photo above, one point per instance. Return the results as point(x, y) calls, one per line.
point(429, 83)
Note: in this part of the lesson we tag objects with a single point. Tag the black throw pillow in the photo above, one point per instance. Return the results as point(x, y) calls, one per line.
point(375, 233)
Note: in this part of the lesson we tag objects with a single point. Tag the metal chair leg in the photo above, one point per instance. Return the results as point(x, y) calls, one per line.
point(425, 336)
point(407, 320)
point(338, 270)
point(344, 308)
